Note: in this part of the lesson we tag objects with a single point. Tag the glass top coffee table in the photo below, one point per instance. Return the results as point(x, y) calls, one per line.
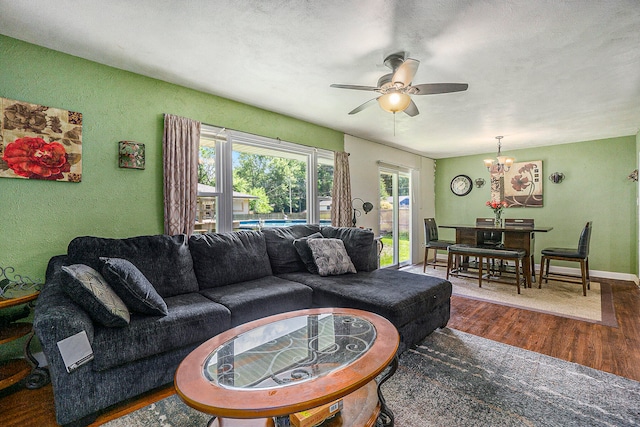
point(272, 367)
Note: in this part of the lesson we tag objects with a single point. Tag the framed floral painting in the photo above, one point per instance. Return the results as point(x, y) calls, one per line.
point(130, 155)
point(523, 185)
point(38, 142)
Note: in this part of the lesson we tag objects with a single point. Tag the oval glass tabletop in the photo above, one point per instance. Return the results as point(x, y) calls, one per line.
point(289, 351)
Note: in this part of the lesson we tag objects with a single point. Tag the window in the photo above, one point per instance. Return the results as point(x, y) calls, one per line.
point(250, 182)
point(208, 194)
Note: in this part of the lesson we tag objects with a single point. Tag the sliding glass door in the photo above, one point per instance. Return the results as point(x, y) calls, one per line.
point(395, 217)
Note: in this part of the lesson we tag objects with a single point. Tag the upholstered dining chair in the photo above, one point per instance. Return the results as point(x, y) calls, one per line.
point(581, 255)
point(525, 222)
point(431, 241)
point(488, 238)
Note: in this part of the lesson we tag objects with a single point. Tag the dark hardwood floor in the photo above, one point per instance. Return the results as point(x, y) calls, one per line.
point(614, 350)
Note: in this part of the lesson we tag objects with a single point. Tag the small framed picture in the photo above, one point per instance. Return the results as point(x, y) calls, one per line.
point(131, 155)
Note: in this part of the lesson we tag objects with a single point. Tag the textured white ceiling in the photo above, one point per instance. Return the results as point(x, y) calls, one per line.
point(539, 72)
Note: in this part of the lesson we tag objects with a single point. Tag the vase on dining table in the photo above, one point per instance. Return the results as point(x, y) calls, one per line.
point(498, 220)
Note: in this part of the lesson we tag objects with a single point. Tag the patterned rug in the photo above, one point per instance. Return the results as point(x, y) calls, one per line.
point(558, 298)
point(458, 379)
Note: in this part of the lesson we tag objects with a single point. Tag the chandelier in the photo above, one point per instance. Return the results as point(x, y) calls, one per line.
point(503, 164)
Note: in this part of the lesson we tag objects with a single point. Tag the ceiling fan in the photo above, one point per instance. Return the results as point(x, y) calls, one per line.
point(395, 88)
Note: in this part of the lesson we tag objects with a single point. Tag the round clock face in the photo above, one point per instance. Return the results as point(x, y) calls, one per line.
point(461, 185)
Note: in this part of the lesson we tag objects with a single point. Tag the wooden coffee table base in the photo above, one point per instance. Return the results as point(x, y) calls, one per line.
point(361, 408)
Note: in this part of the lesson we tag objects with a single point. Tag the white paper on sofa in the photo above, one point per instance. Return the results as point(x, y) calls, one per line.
point(75, 351)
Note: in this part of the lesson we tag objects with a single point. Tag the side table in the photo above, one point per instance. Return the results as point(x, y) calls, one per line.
point(14, 370)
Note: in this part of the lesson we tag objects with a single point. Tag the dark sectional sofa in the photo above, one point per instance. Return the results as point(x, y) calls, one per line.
point(209, 284)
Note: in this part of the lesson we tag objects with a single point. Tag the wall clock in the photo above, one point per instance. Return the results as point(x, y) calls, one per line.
point(461, 185)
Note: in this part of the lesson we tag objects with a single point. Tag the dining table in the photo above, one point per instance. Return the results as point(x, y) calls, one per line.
point(515, 237)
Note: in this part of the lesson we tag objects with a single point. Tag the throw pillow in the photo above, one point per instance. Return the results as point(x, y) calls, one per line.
point(282, 254)
point(331, 257)
point(304, 251)
point(359, 243)
point(133, 287)
point(87, 288)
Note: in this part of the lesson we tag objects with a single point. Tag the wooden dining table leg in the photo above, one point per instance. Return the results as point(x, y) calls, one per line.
point(526, 270)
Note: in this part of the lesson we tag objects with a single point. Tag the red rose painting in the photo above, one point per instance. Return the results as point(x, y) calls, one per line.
point(40, 142)
point(36, 159)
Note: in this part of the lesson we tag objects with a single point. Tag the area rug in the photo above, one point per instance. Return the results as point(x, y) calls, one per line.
point(557, 298)
point(457, 379)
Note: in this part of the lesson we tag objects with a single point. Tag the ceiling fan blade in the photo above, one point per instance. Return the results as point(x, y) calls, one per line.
point(412, 109)
point(435, 88)
point(405, 72)
point(363, 106)
point(355, 87)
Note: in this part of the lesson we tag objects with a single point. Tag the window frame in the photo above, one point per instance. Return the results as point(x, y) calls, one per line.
point(225, 140)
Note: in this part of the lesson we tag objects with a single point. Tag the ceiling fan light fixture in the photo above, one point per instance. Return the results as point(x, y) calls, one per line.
point(394, 102)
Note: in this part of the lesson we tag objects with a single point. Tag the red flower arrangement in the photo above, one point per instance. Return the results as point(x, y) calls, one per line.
point(36, 159)
point(497, 205)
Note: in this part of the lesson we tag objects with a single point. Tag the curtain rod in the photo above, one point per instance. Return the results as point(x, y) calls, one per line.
point(393, 166)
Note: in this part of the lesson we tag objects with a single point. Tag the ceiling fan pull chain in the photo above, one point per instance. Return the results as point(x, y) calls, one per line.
point(394, 123)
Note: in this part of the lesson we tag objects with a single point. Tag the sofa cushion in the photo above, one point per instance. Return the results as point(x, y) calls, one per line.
point(359, 244)
point(282, 254)
point(164, 260)
point(330, 257)
point(192, 318)
point(221, 259)
point(259, 298)
point(304, 252)
point(87, 288)
point(132, 287)
point(399, 296)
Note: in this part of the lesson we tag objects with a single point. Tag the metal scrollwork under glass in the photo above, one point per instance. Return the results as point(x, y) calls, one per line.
point(13, 285)
point(290, 351)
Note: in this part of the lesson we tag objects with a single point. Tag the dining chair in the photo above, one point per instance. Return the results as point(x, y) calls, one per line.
point(581, 255)
point(431, 241)
point(488, 238)
point(525, 222)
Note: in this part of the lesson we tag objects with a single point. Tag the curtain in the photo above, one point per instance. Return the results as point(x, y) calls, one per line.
point(180, 144)
point(341, 212)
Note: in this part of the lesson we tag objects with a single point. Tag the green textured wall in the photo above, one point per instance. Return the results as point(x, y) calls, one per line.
point(595, 189)
point(38, 218)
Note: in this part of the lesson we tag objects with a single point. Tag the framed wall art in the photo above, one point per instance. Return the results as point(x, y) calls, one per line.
point(131, 155)
point(39, 142)
point(523, 185)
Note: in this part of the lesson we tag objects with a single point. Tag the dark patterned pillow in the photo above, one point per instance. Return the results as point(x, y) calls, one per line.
point(303, 249)
point(90, 290)
point(133, 287)
point(331, 257)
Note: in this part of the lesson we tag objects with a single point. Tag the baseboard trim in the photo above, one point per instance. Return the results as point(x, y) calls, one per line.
point(576, 272)
point(593, 273)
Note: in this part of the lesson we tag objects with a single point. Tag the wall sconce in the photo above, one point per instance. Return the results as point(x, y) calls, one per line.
point(556, 177)
point(633, 176)
point(366, 207)
point(480, 182)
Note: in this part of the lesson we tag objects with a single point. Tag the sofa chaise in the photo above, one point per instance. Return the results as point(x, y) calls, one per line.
point(200, 286)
